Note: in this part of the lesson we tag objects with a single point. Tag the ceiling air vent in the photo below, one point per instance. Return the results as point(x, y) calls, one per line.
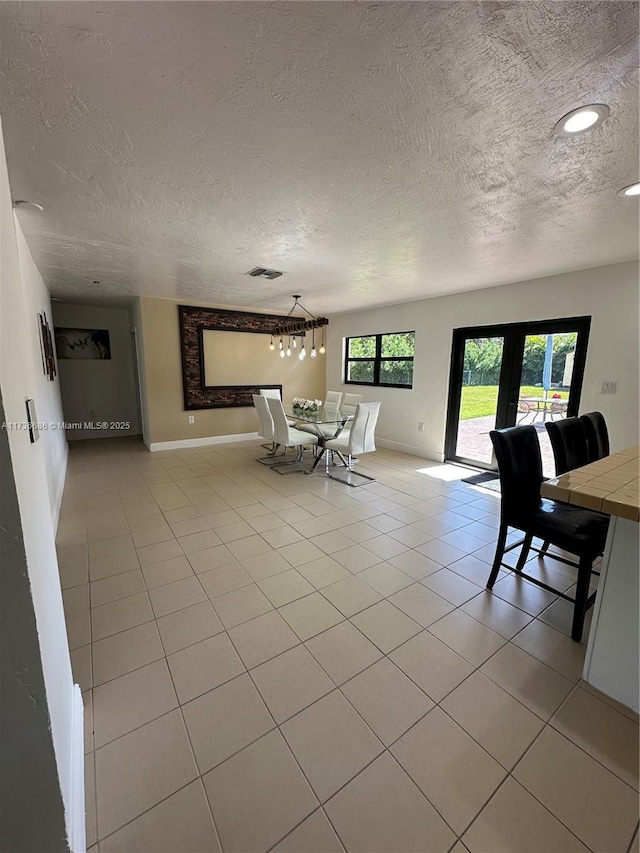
point(263, 272)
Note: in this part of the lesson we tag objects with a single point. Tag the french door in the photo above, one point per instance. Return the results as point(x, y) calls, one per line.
point(519, 373)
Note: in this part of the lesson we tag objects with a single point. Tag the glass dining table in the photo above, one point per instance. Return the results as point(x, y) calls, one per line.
point(325, 425)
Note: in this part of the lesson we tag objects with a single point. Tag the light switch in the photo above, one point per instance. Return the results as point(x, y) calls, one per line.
point(608, 387)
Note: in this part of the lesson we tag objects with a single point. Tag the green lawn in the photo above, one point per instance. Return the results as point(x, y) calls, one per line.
point(480, 400)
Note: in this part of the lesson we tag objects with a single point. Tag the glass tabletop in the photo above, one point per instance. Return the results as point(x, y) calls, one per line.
point(319, 417)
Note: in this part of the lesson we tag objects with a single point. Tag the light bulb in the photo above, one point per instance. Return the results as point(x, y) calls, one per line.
point(295, 343)
point(313, 353)
point(303, 353)
point(631, 190)
point(581, 121)
point(281, 353)
point(272, 346)
point(322, 350)
point(281, 345)
point(288, 350)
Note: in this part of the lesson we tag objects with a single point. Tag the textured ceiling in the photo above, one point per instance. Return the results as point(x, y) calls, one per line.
point(374, 152)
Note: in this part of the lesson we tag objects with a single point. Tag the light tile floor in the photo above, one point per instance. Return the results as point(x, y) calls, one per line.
point(290, 664)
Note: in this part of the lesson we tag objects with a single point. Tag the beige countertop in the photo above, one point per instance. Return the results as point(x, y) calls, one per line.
point(609, 485)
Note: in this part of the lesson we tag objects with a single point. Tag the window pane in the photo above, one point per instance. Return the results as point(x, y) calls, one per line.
point(362, 347)
point(360, 371)
point(398, 344)
point(396, 372)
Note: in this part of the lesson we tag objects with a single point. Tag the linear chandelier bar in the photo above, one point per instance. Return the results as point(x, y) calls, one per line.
point(296, 326)
point(292, 327)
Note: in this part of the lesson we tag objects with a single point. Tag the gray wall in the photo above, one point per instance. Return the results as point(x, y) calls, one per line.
point(94, 389)
point(31, 807)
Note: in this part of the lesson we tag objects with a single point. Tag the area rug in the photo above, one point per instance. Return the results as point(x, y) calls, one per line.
point(476, 479)
point(488, 480)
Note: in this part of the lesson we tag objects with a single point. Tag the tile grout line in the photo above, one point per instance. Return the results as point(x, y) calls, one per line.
point(422, 628)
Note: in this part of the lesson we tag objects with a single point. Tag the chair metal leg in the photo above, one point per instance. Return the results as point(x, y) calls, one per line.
point(497, 560)
point(292, 467)
point(582, 594)
point(274, 459)
point(524, 553)
point(352, 478)
point(545, 547)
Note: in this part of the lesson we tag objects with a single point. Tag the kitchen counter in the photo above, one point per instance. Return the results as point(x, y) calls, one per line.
point(611, 485)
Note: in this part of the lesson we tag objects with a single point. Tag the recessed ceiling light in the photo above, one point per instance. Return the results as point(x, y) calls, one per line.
point(631, 190)
point(23, 202)
point(583, 119)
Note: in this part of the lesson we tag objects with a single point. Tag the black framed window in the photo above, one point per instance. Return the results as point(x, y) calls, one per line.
point(385, 359)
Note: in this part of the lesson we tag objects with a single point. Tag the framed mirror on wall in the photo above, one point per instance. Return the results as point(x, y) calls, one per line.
point(238, 358)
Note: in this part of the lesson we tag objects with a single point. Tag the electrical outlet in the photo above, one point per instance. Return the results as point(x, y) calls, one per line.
point(192, 419)
point(608, 387)
point(420, 426)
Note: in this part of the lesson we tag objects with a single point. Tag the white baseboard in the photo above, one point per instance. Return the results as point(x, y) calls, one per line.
point(202, 442)
point(408, 448)
point(57, 500)
point(75, 814)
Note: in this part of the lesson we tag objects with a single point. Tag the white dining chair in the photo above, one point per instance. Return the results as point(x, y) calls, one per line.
point(276, 395)
point(330, 409)
point(262, 411)
point(358, 440)
point(348, 407)
point(265, 430)
point(287, 436)
point(349, 403)
point(333, 401)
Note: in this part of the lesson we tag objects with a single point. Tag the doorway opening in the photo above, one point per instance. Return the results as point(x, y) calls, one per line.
point(518, 373)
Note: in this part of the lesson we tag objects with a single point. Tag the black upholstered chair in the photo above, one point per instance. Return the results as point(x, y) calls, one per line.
point(575, 530)
point(597, 435)
point(569, 444)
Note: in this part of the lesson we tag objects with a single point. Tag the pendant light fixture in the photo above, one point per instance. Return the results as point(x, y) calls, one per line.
point(293, 327)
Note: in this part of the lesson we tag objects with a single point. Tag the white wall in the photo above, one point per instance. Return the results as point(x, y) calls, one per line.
point(99, 390)
point(47, 393)
point(38, 470)
point(608, 294)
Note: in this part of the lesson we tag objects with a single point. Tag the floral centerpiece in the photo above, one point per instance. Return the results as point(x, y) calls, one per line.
point(301, 406)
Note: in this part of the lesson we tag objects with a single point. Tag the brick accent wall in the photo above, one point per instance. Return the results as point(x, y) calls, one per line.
point(193, 321)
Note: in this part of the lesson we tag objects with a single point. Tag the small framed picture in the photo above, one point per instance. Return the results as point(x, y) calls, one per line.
point(46, 347)
point(82, 343)
point(32, 420)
